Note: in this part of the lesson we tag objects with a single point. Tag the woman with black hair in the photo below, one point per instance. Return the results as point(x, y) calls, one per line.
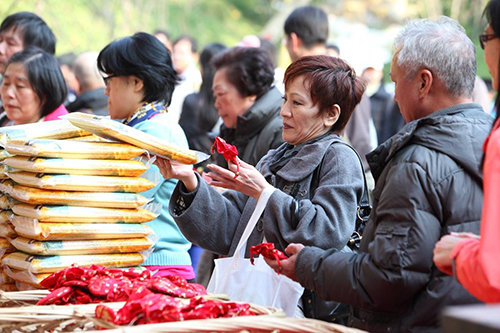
point(139, 82)
point(33, 88)
point(199, 115)
point(474, 259)
point(248, 102)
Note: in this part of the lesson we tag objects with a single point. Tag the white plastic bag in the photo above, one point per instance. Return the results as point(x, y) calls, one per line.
point(259, 283)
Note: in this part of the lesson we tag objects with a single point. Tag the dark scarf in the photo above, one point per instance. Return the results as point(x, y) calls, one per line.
point(283, 156)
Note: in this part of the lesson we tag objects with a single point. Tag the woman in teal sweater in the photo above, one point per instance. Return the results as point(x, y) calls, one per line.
point(139, 81)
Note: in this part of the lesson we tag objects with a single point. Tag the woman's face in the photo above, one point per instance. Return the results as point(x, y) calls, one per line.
point(301, 119)
point(124, 95)
point(20, 101)
point(492, 56)
point(228, 100)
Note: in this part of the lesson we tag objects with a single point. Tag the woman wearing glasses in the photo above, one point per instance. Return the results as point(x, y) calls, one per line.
point(474, 258)
point(139, 81)
point(33, 89)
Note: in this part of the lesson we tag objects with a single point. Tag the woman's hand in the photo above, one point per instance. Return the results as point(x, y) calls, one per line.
point(173, 169)
point(249, 181)
point(444, 248)
point(288, 265)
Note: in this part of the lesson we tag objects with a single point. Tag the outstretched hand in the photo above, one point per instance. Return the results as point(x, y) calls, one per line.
point(287, 265)
point(173, 169)
point(249, 181)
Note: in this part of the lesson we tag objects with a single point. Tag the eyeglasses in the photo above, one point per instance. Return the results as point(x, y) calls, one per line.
point(485, 38)
point(107, 78)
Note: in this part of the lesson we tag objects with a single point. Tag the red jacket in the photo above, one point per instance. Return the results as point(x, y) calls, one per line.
point(477, 263)
point(54, 115)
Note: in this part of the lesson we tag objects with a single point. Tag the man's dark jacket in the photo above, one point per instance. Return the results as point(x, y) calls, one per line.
point(428, 184)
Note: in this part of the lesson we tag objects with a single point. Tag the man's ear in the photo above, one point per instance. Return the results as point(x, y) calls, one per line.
point(138, 84)
point(426, 79)
point(296, 41)
point(332, 116)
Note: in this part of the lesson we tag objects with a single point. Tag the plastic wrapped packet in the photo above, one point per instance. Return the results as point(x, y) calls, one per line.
point(91, 138)
point(81, 247)
point(6, 185)
point(6, 246)
point(37, 196)
point(57, 129)
point(129, 168)
point(50, 264)
point(82, 183)
point(114, 130)
point(6, 202)
point(24, 277)
point(7, 230)
point(4, 154)
point(76, 214)
point(3, 171)
point(5, 216)
point(32, 228)
point(4, 277)
point(73, 149)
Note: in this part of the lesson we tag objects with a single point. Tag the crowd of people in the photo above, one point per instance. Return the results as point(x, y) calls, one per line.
point(323, 138)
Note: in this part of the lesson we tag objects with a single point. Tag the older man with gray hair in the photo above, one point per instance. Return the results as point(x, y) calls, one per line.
point(90, 95)
point(428, 183)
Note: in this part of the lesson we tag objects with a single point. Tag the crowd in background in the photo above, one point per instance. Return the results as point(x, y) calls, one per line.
point(416, 153)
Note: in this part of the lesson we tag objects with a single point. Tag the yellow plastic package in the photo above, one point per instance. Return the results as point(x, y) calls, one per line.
point(129, 168)
point(87, 199)
point(4, 277)
point(50, 264)
point(90, 138)
point(6, 246)
point(57, 129)
point(4, 154)
point(25, 277)
point(5, 216)
point(76, 214)
point(32, 228)
point(114, 130)
point(73, 149)
point(82, 183)
point(6, 185)
point(81, 247)
point(6, 202)
point(3, 171)
point(7, 230)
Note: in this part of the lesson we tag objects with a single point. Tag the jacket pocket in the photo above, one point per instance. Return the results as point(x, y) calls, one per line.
point(388, 249)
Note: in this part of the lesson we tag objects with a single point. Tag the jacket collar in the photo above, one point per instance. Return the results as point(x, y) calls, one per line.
point(378, 158)
point(255, 118)
point(304, 162)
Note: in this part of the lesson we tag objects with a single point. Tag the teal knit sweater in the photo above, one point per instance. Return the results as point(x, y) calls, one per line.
point(172, 248)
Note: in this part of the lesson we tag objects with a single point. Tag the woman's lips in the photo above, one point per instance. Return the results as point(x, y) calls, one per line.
point(286, 126)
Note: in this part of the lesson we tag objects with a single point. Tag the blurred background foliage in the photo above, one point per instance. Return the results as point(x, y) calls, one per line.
point(82, 25)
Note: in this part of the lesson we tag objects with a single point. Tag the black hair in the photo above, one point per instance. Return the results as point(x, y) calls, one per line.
point(44, 76)
point(310, 24)
point(206, 100)
point(34, 31)
point(492, 13)
point(191, 40)
point(144, 56)
point(162, 32)
point(249, 69)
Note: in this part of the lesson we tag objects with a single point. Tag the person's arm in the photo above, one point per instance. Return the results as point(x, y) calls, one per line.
point(476, 261)
point(328, 218)
point(398, 261)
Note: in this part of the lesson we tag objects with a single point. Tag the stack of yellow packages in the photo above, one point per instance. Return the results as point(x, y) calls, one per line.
point(74, 201)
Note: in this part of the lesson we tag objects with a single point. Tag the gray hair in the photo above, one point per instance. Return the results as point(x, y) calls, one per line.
point(441, 46)
point(86, 72)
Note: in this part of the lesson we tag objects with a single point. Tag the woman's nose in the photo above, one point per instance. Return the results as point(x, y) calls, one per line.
point(106, 90)
point(285, 110)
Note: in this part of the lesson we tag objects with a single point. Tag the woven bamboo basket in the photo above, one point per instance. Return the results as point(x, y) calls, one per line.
point(22, 316)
